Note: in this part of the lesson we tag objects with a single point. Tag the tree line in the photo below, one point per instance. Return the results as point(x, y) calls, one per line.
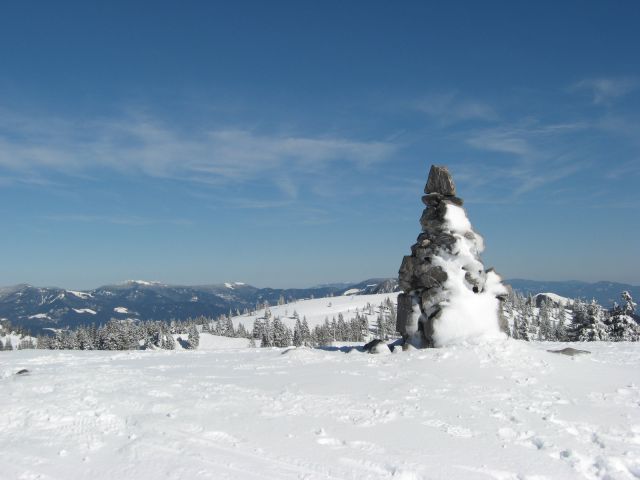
point(577, 321)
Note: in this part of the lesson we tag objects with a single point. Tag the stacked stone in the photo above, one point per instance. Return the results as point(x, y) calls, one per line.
point(423, 282)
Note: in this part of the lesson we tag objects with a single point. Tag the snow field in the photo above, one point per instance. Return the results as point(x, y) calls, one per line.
point(503, 410)
point(317, 309)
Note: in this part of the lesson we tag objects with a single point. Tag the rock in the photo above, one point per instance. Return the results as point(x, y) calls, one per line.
point(440, 181)
point(570, 351)
point(377, 346)
point(24, 371)
point(404, 313)
point(428, 276)
point(423, 274)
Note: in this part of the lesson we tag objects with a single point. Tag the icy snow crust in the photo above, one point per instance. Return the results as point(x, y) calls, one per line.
point(503, 410)
point(466, 316)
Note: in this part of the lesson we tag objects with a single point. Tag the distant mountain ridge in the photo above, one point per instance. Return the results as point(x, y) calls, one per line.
point(39, 308)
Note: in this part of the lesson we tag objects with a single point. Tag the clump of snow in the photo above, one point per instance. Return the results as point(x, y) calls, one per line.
point(228, 285)
point(84, 310)
point(466, 315)
point(121, 310)
point(39, 315)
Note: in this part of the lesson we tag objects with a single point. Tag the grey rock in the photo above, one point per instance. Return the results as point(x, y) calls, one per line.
point(570, 351)
point(440, 181)
point(428, 276)
point(454, 200)
point(376, 346)
point(404, 313)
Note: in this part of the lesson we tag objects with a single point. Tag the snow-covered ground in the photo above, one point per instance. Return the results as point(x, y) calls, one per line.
point(506, 410)
point(317, 309)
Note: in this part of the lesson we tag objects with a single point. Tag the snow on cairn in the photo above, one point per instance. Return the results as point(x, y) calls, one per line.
point(448, 296)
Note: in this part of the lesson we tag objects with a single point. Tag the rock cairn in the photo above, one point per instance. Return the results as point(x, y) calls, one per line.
point(444, 267)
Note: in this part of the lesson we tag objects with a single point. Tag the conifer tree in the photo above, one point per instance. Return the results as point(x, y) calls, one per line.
point(194, 336)
point(621, 323)
point(297, 334)
point(305, 332)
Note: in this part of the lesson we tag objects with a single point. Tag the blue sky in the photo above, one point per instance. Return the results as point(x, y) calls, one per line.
point(287, 143)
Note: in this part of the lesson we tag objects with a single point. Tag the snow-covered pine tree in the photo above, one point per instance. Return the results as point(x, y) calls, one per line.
point(382, 327)
point(515, 334)
point(168, 342)
point(524, 327)
point(194, 336)
point(83, 339)
point(545, 331)
point(281, 333)
point(241, 331)
point(258, 328)
point(560, 330)
point(305, 332)
point(591, 327)
point(297, 334)
point(621, 323)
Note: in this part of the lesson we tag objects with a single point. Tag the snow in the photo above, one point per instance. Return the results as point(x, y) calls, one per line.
point(141, 282)
point(84, 310)
point(228, 285)
point(564, 301)
point(352, 291)
point(317, 309)
point(39, 315)
point(121, 310)
point(466, 316)
point(215, 342)
point(83, 295)
point(502, 410)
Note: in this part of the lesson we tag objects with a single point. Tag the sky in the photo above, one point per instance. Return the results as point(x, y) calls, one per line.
point(287, 144)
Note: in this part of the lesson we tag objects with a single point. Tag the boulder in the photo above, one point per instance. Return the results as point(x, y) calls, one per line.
point(570, 351)
point(440, 181)
point(377, 346)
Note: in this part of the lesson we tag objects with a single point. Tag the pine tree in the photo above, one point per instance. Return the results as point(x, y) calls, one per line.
point(524, 327)
point(194, 336)
point(281, 333)
point(169, 343)
point(382, 327)
point(305, 332)
point(297, 333)
point(591, 326)
point(544, 331)
point(560, 327)
point(621, 324)
point(515, 333)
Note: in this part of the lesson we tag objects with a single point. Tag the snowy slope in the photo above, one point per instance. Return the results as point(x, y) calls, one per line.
point(317, 309)
point(508, 410)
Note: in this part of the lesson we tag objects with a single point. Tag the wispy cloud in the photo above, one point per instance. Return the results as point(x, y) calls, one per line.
point(534, 155)
point(449, 108)
point(128, 220)
point(605, 90)
point(138, 144)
